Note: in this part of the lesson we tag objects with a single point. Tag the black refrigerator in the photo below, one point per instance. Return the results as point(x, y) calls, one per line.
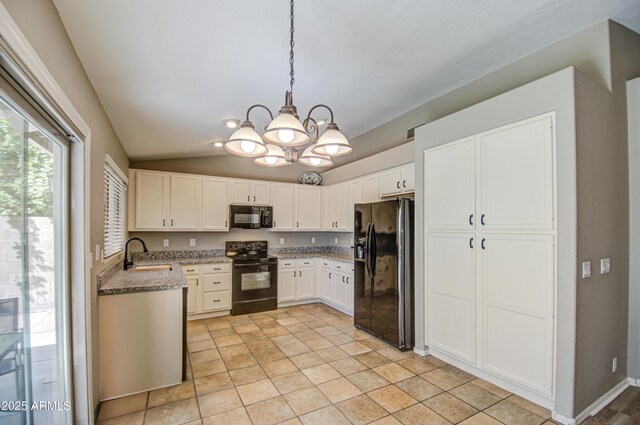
point(384, 288)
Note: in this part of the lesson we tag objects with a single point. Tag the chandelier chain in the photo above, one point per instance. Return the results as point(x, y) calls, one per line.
point(291, 43)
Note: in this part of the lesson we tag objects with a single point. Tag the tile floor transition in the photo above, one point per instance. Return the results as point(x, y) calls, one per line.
point(308, 365)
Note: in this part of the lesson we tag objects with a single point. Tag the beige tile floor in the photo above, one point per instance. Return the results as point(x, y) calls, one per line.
point(309, 365)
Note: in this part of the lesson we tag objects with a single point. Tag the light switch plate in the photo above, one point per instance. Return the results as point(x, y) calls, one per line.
point(281, 241)
point(586, 269)
point(605, 265)
point(313, 240)
point(165, 242)
point(192, 242)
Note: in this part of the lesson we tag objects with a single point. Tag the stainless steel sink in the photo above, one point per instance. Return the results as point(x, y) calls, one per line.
point(152, 268)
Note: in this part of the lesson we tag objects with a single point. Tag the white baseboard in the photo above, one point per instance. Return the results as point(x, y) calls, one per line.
point(600, 403)
point(563, 420)
point(201, 316)
point(419, 352)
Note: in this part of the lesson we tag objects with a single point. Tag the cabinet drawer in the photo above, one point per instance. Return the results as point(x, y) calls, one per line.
point(216, 268)
point(190, 270)
point(217, 282)
point(308, 262)
point(284, 264)
point(216, 301)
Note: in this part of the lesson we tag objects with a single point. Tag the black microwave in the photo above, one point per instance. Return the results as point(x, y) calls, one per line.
point(250, 217)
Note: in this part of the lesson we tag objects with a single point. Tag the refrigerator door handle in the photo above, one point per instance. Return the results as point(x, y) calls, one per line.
point(373, 250)
point(367, 248)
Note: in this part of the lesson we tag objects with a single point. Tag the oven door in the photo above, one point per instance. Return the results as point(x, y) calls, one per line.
point(254, 281)
point(244, 217)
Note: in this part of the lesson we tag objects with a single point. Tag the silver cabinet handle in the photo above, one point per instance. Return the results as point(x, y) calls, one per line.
point(216, 283)
point(248, 198)
point(300, 273)
point(404, 184)
point(197, 282)
point(482, 243)
point(254, 198)
point(343, 279)
point(216, 301)
point(163, 222)
point(482, 219)
point(225, 223)
point(274, 223)
point(191, 270)
point(398, 185)
point(297, 224)
point(470, 219)
point(329, 275)
point(217, 268)
point(471, 243)
point(347, 280)
point(171, 222)
point(294, 274)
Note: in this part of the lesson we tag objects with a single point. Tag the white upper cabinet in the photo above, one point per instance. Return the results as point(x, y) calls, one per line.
point(215, 212)
point(282, 196)
point(355, 197)
point(342, 210)
point(261, 193)
point(329, 207)
point(391, 182)
point(517, 177)
point(185, 202)
point(239, 192)
point(307, 208)
point(371, 189)
point(249, 192)
point(151, 200)
point(450, 186)
point(408, 178)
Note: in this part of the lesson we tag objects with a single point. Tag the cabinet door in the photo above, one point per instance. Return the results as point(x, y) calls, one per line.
point(371, 189)
point(308, 208)
point(342, 207)
point(391, 182)
point(152, 200)
point(286, 285)
point(329, 207)
point(517, 177)
point(450, 186)
point(517, 308)
point(355, 197)
point(326, 284)
point(451, 289)
point(305, 283)
point(341, 292)
point(282, 207)
point(192, 294)
point(408, 178)
point(240, 192)
point(261, 193)
point(215, 211)
point(185, 201)
point(350, 292)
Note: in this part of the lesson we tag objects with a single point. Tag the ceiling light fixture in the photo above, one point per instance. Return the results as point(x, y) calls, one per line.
point(286, 134)
point(232, 123)
point(218, 144)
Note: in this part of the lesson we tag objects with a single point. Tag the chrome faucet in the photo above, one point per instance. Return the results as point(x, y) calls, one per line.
point(126, 261)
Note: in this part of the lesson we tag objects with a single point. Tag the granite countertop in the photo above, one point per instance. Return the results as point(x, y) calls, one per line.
point(119, 281)
point(344, 258)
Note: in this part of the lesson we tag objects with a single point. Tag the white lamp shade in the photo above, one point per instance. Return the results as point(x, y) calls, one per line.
point(273, 158)
point(245, 141)
point(332, 143)
point(286, 130)
point(314, 160)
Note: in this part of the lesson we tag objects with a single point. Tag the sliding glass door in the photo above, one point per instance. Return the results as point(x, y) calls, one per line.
point(34, 288)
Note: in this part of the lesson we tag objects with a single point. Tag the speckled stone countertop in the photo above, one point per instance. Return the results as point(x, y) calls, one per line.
point(344, 258)
point(117, 281)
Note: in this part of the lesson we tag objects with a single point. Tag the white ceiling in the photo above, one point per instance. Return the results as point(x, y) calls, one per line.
point(168, 72)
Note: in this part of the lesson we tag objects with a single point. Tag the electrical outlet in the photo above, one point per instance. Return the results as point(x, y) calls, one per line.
point(336, 241)
point(98, 256)
point(605, 265)
point(586, 269)
point(281, 241)
point(192, 242)
point(614, 365)
point(313, 240)
point(165, 242)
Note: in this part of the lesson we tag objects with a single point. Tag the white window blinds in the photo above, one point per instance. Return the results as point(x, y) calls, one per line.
point(115, 195)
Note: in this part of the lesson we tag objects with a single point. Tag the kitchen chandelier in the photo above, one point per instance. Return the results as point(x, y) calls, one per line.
point(285, 136)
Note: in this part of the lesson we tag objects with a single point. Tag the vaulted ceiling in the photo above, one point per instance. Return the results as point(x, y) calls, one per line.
point(168, 72)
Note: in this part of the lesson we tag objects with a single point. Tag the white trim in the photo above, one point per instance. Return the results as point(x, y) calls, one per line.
point(111, 163)
point(422, 353)
point(600, 403)
point(80, 208)
point(563, 420)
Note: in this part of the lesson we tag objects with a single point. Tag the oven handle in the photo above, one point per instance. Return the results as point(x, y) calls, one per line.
point(252, 264)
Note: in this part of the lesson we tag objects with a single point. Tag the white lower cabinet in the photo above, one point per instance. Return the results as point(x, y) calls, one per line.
point(343, 290)
point(209, 288)
point(296, 280)
point(336, 285)
point(326, 284)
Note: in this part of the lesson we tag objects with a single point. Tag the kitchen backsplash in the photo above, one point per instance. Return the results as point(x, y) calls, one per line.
point(180, 241)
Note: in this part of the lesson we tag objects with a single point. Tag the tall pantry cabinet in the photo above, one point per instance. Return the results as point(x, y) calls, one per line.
point(490, 251)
